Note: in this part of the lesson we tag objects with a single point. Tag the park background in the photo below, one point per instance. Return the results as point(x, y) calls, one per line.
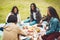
point(24, 7)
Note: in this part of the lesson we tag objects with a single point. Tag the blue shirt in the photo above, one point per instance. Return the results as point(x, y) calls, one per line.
point(54, 26)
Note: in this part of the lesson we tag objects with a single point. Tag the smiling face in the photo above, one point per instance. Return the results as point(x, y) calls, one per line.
point(32, 7)
point(15, 10)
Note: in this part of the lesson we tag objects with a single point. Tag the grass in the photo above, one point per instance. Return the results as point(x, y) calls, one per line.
point(24, 7)
point(0, 37)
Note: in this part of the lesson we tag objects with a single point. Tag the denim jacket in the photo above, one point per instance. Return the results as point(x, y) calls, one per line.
point(54, 26)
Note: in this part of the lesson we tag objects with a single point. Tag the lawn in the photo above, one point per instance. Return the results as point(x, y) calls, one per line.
point(24, 7)
point(0, 38)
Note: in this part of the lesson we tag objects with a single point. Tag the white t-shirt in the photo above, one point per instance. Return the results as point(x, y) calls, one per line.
point(34, 15)
point(18, 18)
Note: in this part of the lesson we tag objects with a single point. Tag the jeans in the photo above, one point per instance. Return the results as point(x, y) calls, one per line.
point(27, 39)
point(31, 23)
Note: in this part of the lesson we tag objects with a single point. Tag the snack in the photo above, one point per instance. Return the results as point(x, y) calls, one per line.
point(38, 30)
point(25, 27)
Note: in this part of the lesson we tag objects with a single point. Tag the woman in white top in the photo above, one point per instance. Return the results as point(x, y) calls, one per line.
point(35, 15)
point(15, 12)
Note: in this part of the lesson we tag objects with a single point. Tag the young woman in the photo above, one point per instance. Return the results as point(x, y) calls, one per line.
point(53, 31)
point(15, 12)
point(35, 15)
point(11, 30)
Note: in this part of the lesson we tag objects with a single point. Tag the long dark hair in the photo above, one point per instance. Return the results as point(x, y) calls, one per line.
point(34, 7)
point(13, 9)
point(53, 12)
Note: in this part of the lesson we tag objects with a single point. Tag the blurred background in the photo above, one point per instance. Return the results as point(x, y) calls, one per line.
point(24, 7)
